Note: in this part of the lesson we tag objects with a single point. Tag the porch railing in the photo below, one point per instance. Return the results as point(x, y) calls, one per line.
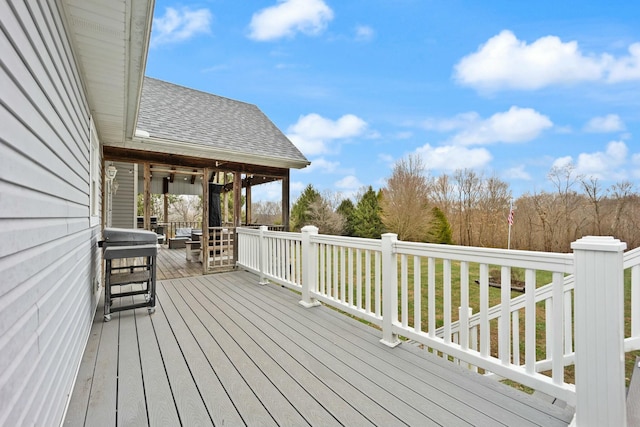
point(381, 281)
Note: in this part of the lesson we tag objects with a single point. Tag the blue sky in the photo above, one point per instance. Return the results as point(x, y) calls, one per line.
point(506, 88)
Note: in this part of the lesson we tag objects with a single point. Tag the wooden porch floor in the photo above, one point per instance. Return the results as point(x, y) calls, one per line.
point(222, 350)
point(173, 264)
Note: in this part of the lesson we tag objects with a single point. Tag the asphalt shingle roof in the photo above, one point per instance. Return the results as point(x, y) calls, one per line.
point(181, 114)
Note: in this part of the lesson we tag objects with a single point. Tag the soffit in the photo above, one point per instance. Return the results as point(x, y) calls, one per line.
point(110, 41)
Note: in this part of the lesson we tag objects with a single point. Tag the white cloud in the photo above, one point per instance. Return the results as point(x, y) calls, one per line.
point(180, 25)
point(271, 191)
point(517, 172)
point(504, 62)
point(451, 157)
point(460, 121)
point(607, 165)
point(349, 182)
point(601, 164)
point(561, 162)
point(605, 124)
point(515, 125)
point(313, 134)
point(635, 160)
point(321, 165)
point(403, 135)
point(364, 33)
point(627, 68)
point(386, 158)
point(289, 17)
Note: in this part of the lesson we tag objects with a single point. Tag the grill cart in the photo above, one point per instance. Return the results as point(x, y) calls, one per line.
point(130, 257)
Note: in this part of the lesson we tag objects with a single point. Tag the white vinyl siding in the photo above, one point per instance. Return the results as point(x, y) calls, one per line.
point(95, 169)
point(124, 199)
point(49, 260)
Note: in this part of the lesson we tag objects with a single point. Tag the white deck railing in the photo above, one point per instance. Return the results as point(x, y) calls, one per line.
point(380, 281)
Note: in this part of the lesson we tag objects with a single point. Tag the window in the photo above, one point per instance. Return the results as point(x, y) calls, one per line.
point(94, 176)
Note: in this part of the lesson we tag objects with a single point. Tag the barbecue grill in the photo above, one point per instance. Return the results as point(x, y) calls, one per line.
point(136, 251)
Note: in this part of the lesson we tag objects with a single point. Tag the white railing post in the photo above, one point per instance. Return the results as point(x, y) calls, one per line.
point(262, 254)
point(389, 290)
point(309, 263)
point(599, 332)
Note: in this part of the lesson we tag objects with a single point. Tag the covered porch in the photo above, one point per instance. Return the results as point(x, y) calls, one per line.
point(223, 350)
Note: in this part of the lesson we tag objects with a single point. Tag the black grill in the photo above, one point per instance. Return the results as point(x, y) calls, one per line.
point(136, 252)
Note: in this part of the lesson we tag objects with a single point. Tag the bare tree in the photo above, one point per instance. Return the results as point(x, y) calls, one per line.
point(266, 212)
point(323, 216)
point(593, 190)
point(621, 193)
point(405, 202)
point(469, 185)
point(492, 211)
point(564, 178)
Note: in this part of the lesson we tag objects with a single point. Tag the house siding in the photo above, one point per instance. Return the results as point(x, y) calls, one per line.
point(49, 260)
point(123, 214)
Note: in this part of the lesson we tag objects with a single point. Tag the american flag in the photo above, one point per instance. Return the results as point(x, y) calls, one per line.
point(510, 217)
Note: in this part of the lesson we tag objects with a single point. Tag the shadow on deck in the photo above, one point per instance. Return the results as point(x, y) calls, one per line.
point(222, 350)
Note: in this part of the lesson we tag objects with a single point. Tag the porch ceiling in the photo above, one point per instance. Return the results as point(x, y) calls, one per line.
point(110, 39)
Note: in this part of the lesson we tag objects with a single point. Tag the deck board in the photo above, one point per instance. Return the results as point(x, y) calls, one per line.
point(483, 397)
point(173, 264)
point(160, 404)
point(191, 408)
point(131, 401)
point(222, 350)
point(196, 344)
point(331, 364)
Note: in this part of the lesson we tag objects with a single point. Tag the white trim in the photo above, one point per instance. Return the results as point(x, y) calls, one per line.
point(94, 175)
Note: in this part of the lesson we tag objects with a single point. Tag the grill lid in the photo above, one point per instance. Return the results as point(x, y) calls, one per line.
point(127, 236)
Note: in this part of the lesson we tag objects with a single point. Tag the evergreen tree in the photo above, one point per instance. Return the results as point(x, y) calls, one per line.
point(440, 230)
point(347, 209)
point(300, 213)
point(367, 222)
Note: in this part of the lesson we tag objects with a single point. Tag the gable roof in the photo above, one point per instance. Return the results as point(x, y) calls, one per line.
point(199, 123)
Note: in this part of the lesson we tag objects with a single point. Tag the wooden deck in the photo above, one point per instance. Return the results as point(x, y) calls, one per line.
point(222, 350)
point(173, 264)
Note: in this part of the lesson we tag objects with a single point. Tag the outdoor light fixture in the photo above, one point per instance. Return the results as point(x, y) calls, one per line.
point(111, 172)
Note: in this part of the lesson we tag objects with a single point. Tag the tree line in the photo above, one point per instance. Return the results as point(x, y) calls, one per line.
point(471, 209)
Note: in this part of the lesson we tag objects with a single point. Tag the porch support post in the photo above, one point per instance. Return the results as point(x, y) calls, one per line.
point(247, 209)
point(226, 219)
point(309, 265)
point(286, 200)
point(262, 254)
point(237, 198)
point(204, 244)
point(599, 332)
point(147, 197)
point(389, 290)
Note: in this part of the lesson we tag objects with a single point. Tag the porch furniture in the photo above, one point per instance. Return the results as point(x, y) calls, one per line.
point(129, 246)
point(192, 250)
point(161, 236)
point(182, 235)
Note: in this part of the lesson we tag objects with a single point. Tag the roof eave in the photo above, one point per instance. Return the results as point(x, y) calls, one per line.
point(122, 29)
point(161, 145)
point(140, 30)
